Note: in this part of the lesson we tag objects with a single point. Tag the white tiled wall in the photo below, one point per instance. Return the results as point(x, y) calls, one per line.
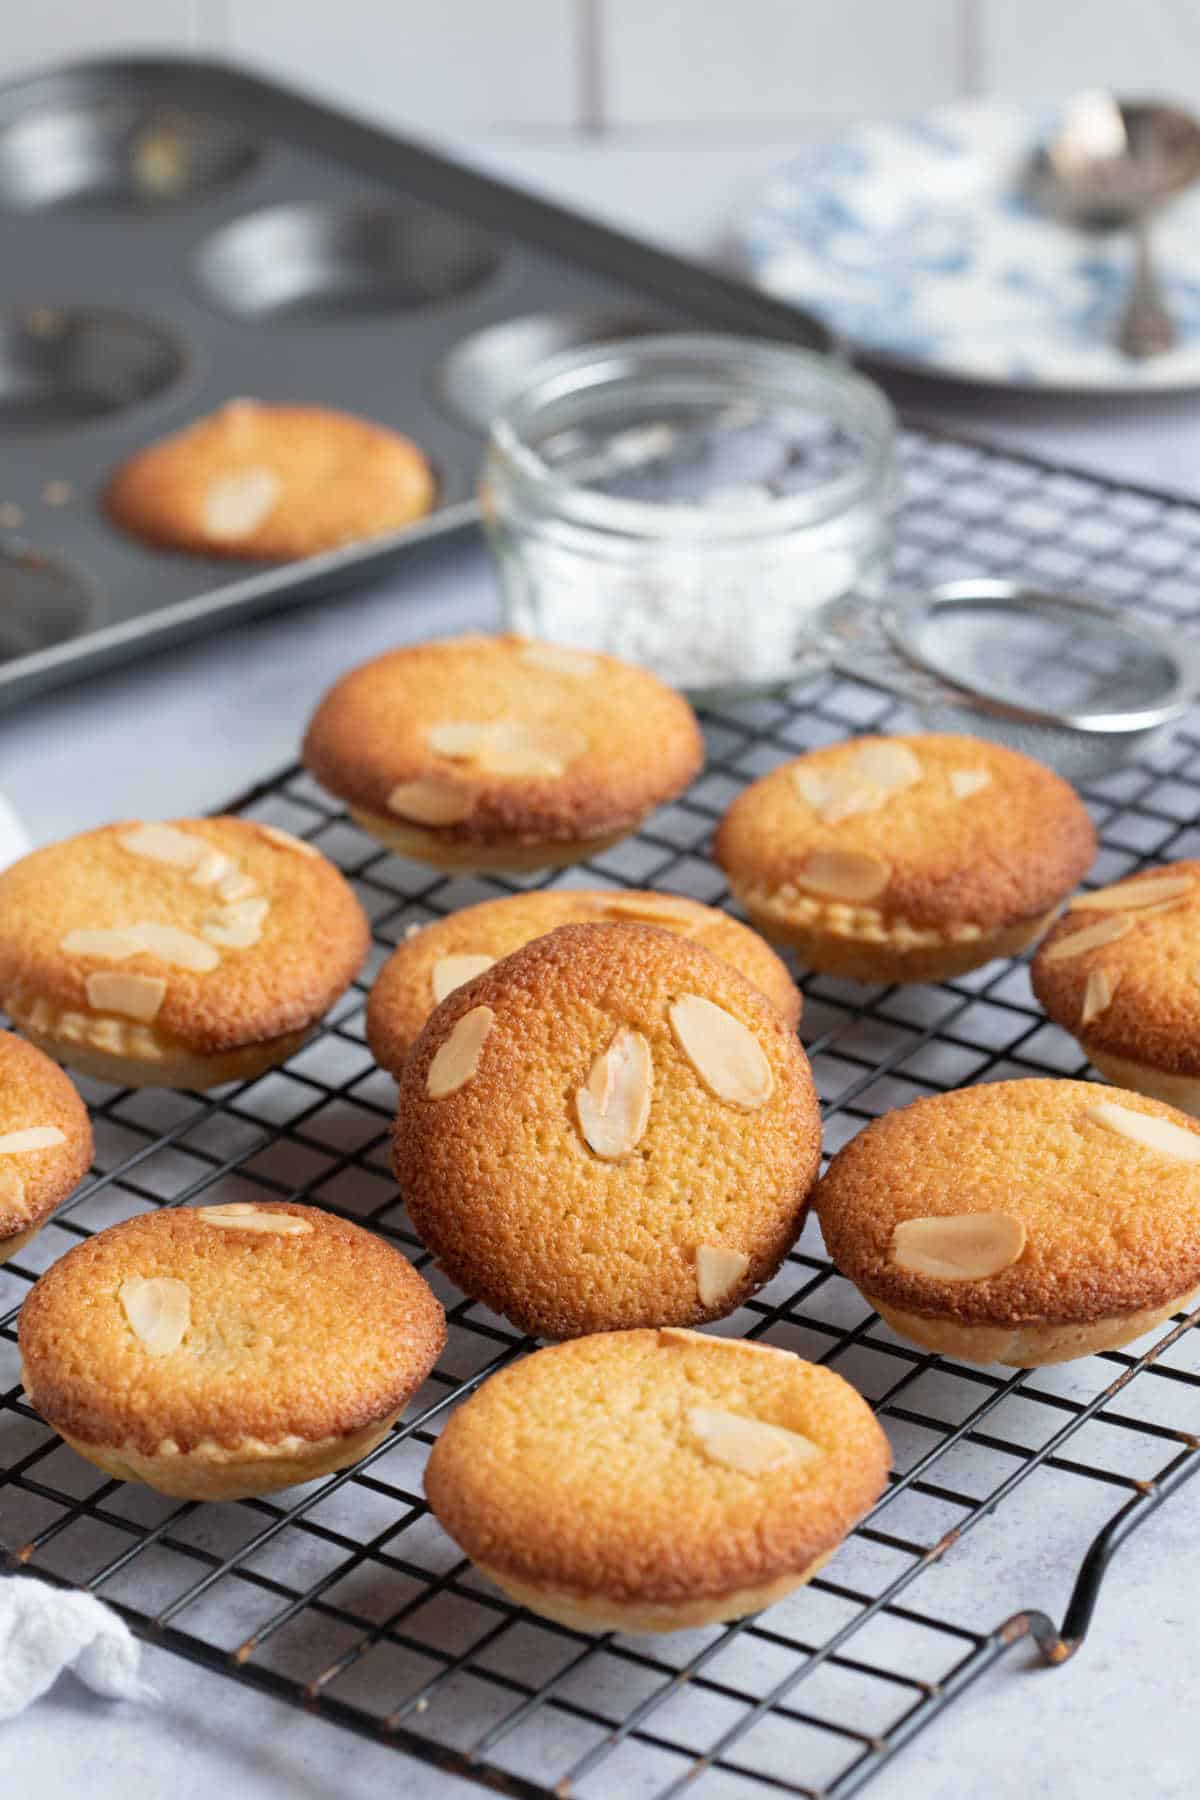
point(638, 67)
point(37, 34)
point(1139, 45)
point(461, 62)
point(679, 62)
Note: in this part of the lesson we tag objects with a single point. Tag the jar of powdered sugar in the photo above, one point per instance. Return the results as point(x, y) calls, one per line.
point(693, 503)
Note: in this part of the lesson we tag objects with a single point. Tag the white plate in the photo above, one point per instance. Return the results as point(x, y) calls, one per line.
point(913, 240)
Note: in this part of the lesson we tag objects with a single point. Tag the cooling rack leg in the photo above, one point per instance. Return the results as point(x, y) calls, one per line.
point(1054, 1645)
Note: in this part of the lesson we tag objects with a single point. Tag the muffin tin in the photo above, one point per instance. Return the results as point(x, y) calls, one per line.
point(178, 233)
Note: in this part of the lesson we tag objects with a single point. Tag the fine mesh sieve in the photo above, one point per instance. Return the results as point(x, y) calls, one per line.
point(1075, 683)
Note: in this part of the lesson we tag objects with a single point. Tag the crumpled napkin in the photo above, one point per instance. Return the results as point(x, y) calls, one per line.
point(44, 1630)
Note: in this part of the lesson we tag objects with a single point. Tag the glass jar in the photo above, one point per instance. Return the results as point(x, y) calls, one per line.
point(692, 503)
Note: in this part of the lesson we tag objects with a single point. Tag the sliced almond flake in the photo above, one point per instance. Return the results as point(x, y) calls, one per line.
point(238, 1215)
point(514, 748)
point(183, 949)
point(159, 1310)
point(671, 911)
point(431, 801)
point(751, 1446)
point(725, 1054)
point(812, 787)
point(286, 841)
point(958, 1246)
point(888, 765)
point(844, 874)
point(117, 943)
point(1092, 937)
point(552, 740)
point(508, 746)
point(1147, 1129)
point(132, 996)
point(613, 1106)
point(849, 797)
point(965, 782)
point(559, 659)
point(237, 885)
point(459, 741)
point(450, 972)
point(210, 869)
point(718, 1272)
point(1145, 912)
point(235, 505)
point(238, 925)
point(681, 1334)
point(1132, 896)
point(1097, 994)
point(34, 1137)
point(523, 762)
point(164, 844)
point(458, 1058)
point(838, 793)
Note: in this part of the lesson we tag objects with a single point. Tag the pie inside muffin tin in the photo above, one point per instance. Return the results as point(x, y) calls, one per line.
point(178, 234)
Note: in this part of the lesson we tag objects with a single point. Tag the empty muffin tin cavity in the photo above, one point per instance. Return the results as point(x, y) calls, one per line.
point(41, 603)
point(319, 262)
point(487, 370)
point(112, 154)
point(63, 366)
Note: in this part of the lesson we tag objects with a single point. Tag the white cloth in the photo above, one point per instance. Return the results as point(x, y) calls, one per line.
point(44, 1630)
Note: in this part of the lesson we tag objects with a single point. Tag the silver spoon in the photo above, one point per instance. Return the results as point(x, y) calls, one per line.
point(1111, 167)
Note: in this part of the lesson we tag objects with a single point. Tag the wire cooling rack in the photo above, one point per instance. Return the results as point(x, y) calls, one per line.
point(345, 1597)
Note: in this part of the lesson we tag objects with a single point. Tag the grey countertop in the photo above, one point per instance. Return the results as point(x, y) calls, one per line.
point(186, 729)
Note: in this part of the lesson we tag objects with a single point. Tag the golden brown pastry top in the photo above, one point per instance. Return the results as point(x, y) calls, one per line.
point(271, 482)
point(1132, 988)
point(580, 1468)
point(1111, 1225)
point(269, 932)
point(504, 1184)
point(416, 974)
point(310, 1336)
point(503, 739)
point(37, 1171)
point(955, 830)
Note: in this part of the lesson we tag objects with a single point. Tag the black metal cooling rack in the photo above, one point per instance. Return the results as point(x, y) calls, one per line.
point(346, 1599)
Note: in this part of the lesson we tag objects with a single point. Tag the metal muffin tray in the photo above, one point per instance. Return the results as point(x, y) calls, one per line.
point(178, 233)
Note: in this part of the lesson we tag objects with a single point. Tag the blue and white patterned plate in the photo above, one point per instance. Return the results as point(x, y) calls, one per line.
point(913, 240)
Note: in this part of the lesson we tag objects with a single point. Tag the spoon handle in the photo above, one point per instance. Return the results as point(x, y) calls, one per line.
point(1146, 328)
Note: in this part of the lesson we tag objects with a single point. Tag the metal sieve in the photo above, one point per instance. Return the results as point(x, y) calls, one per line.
point(1074, 682)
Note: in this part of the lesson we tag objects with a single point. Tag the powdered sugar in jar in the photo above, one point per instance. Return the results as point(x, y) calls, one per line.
point(692, 503)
